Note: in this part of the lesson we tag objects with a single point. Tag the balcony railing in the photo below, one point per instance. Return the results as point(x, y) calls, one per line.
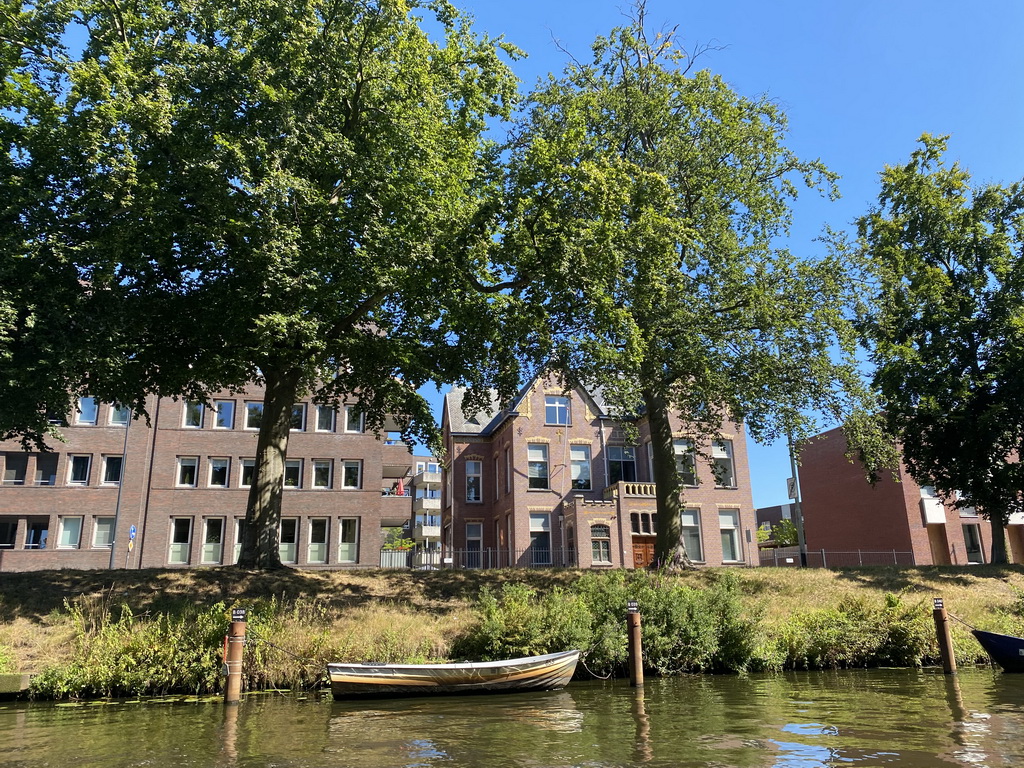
point(630, 488)
point(426, 531)
point(426, 505)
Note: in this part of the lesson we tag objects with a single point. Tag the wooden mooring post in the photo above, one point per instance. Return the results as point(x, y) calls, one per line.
point(945, 637)
point(636, 647)
point(233, 656)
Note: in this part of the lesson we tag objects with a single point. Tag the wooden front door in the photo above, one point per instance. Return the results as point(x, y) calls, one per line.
point(643, 551)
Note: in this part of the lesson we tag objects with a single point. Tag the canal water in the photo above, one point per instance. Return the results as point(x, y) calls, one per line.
point(798, 720)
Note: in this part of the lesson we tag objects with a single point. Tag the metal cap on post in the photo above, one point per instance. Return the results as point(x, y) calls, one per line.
point(636, 649)
point(233, 657)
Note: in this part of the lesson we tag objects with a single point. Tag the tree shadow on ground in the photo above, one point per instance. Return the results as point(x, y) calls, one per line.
point(921, 578)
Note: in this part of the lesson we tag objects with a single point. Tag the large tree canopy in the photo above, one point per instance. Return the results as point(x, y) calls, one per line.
point(294, 194)
point(663, 194)
point(946, 329)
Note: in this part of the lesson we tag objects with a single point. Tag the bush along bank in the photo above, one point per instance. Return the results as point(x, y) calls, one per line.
point(711, 627)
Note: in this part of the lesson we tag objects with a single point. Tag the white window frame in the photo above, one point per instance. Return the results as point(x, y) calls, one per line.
point(119, 416)
point(293, 468)
point(731, 528)
point(320, 464)
point(349, 411)
point(288, 550)
point(214, 462)
point(345, 466)
point(78, 458)
point(194, 411)
point(683, 451)
point(497, 485)
point(107, 462)
point(689, 521)
point(557, 411)
point(205, 556)
point(245, 464)
point(253, 408)
point(182, 463)
point(317, 551)
point(508, 470)
point(474, 544)
point(219, 415)
point(537, 455)
point(105, 526)
point(623, 452)
point(606, 539)
point(348, 551)
point(298, 414)
point(332, 413)
point(69, 532)
point(93, 408)
point(474, 490)
point(576, 466)
point(179, 552)
point(722, 451)
point(540, 522)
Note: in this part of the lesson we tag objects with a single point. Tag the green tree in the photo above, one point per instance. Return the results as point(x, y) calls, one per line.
point(293, 194)
point(660, 194)
point(946, 329)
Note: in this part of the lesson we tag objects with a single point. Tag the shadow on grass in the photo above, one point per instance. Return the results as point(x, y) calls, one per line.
point(898, 579)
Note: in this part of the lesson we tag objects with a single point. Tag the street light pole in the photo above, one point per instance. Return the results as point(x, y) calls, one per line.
point(798, 517)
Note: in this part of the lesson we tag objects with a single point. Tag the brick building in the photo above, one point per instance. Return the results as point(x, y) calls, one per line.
point(843, 512)
point(180, 487)
point(553, 480)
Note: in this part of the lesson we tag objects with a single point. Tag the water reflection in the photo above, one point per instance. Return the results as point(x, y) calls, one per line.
point(867, 718)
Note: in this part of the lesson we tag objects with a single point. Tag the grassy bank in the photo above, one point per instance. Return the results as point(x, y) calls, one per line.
point(144, 632)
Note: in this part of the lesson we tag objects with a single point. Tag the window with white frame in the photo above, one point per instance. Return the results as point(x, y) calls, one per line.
point(219, 472)
point(88, 407)
point(601, 543)
point(78, 469)
point(188, 470)
point(729, 522)
point(293, 473)
point(579, 460)
point(474, 544)
point(351, 474)
point(225, 410)
point(556, 411)
point(103, 532)
point(119, 415)
point(354, 419)
point(112, 467)
point(322, 473)
point(686, 461)
point(643, 523)
point(288, 548)
point(193, 414)
point(621, 464)
point(298, 423)
point(181, 540)
point(248, 473)
point(253, 415)
point(540, 538)
point(474, 481)
point(497, 485)
point(317, 548)
point(239, 533)
point(537, 463)
point(70, 536)
point(721, 454)
point(508, 471)
point(690, 521)
point(213, 540)
point(348, 540)
point(326, 416)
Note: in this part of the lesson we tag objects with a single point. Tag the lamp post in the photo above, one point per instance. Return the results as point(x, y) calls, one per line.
point(794, 494)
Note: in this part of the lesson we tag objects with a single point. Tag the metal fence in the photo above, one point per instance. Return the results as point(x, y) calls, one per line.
point(789, 557)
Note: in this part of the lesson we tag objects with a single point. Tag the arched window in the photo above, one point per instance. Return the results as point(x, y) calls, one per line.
point(601, 540)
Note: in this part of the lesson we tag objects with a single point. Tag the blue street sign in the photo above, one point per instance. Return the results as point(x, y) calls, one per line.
point(131, 533)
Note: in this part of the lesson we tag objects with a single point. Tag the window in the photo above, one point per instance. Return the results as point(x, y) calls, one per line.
point(474, 480)
point(239, 533)
point(317, 540)
point(351, 474)
point(103, 533)
point(508, 471)
point(972, 543)
point(621, 464)
point(219, 470)
point(686, 461)
point(213, 540)
point(253, 415)
point(729, 522)
point(298, 417)
point(15, 468)
point(181, 540)
point(537, 458)
point(248, 473)
point(690, 520)
point(497, 486)
point(288, 548)
point(112, 466)
point(348, 540)
point(556, 411)
point(579, 459)
point(721, 454)
point(78, 469)
point(119, 415)
point(322, 473)
point(193, 414)
point(293, 473)
point(540, 538)
point(225, 414)
point(643, 523)
point(187, 470)
point(601, 541)
point(87, 409)
point(46, 469)
point(354, 419)
point(474, 544)
point(325, 418)
point(70, 533)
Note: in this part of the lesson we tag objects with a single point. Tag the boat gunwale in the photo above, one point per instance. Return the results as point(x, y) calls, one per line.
point(456, 665)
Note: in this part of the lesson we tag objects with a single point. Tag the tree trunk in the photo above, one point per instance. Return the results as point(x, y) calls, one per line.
point(260, 535)
point(669, 548)
point(998, 523)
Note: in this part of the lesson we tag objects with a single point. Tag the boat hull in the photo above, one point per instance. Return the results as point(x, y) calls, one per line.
point(533, 673)
point(1006, 650)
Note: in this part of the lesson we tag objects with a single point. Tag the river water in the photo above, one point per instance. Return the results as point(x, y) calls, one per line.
point(797, 720)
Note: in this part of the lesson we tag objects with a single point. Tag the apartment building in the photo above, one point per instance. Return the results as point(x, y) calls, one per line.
point(121, 493)
point(843, 512)
point(553, 480)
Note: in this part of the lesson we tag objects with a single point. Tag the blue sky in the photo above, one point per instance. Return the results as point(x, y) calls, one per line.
point(860, 80)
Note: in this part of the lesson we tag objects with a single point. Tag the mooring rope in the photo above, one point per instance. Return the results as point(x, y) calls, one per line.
point(583, 661)
point(957, 618)
point(304, 661)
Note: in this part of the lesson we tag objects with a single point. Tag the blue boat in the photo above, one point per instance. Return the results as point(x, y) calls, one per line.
point(1006, 650)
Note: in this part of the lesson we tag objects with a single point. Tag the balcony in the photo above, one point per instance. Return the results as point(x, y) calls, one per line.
point(933, 510)
point(426, 505)
point(427, 478)
point(424, 531)
point(644, 490)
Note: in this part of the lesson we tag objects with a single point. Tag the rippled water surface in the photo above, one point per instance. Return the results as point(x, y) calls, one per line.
point(850, 718)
